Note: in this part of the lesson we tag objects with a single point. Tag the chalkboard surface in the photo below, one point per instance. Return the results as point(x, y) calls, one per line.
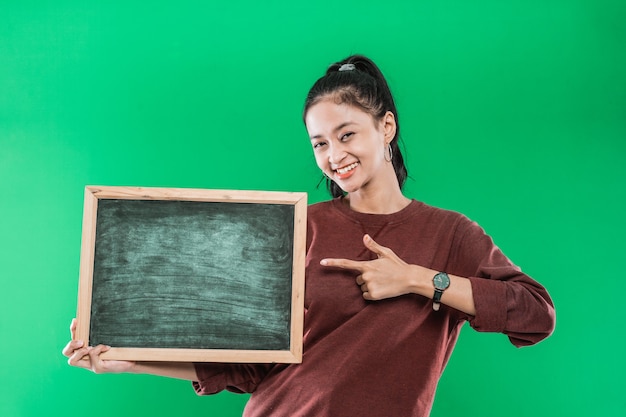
point(172, 274)
point(223, 268)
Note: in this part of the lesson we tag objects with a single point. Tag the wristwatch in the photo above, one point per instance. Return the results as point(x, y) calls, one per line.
point(441, 281)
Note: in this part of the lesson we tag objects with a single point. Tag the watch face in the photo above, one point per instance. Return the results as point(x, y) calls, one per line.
point(441, 281)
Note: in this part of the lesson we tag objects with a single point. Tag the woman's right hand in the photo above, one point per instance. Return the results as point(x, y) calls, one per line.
point(88, 357)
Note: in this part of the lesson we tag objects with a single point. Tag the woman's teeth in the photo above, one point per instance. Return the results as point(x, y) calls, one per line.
point(345, 169)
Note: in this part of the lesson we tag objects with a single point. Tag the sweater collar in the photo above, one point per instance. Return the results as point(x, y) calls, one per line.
point(367, 218)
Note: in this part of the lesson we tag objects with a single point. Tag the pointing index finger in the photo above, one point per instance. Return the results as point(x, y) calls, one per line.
point(343, 263)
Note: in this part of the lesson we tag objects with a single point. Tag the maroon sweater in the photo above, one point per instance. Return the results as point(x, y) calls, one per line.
point(384, 358)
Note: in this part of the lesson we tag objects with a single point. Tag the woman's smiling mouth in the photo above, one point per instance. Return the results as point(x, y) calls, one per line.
point(346, 171)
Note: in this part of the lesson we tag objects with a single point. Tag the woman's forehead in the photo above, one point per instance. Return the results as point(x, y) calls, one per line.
point(329, 114)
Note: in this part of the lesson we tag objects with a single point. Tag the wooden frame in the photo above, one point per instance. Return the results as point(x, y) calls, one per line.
point(92, 252)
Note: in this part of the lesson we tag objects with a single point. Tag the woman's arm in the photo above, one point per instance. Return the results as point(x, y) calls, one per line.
point(389, 276)
point(458, 295)
point(179, 370)
point(500, 298)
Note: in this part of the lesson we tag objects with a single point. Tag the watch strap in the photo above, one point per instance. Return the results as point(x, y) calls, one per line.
point(437, 299)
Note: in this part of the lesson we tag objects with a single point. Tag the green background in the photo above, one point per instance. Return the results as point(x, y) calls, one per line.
point(513, 113)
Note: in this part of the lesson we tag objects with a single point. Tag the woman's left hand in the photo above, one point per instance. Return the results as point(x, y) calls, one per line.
point(385, 277)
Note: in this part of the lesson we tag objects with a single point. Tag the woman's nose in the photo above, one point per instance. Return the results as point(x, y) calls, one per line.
point(336, 154)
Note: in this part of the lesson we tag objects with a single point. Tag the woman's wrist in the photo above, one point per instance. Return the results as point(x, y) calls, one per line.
point(136, 368)
point(421, 280)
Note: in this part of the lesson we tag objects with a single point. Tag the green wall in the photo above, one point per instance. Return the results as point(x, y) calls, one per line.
point(513, 113)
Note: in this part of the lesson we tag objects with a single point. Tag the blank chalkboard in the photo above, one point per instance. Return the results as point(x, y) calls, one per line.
point(193, 275)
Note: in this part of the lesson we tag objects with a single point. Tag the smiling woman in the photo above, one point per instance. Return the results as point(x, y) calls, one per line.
point(353, 150)
point(357, 85)
point(390, 281)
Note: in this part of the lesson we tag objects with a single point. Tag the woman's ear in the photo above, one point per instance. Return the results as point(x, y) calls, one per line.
point(389, 126)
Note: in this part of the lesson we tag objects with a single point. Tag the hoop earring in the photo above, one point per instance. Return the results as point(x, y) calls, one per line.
point(390, 153)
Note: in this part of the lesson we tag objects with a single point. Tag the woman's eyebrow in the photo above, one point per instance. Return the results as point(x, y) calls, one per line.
point(336, 129)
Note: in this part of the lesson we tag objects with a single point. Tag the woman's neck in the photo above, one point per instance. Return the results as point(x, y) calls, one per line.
point(382, 201)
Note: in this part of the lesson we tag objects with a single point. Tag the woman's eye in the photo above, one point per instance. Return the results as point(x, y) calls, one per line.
point(317, 145)
point(345, 136)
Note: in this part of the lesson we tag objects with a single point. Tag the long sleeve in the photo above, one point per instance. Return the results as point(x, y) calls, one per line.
point(507, 300)
point(238, 378)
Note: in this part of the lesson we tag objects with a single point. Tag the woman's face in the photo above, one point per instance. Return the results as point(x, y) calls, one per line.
point(349, 145)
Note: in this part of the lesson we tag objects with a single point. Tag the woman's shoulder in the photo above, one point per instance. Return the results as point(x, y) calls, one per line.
point(443, 214)
point(459, 224)
point(320, 206)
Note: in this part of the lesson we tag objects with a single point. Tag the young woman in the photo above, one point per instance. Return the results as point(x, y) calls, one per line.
point(389, 280)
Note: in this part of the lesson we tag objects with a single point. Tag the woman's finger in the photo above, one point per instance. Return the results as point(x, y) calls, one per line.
point(80, 358)
point(359, 280)
point(73, 329)
point(344, 264)
point(97, 364)
point(69, 349)
point(379, 250)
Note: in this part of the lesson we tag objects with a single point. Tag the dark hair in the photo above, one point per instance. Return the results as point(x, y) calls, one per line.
point(362, 85)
